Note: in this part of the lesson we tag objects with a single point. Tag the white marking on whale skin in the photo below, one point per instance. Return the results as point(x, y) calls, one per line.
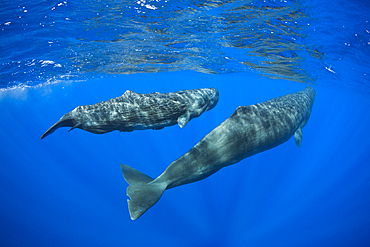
point(248, 131)
point(134, 111)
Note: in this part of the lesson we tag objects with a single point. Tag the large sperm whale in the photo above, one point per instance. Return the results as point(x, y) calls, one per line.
point(248, 131)
point(134, 111)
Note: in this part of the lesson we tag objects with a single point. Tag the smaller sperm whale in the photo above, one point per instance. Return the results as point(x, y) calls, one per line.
point(134, 111)
point(248, 131)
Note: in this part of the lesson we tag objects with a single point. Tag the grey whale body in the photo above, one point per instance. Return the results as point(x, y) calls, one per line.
point(134, 111)
point(248, 131)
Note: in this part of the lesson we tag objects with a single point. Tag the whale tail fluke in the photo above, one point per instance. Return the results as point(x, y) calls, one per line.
point(143, 191)
point(63, 122)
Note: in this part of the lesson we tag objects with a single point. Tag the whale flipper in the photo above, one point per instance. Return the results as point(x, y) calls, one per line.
point(298, 136)
point(183, 120)
point(143, 191)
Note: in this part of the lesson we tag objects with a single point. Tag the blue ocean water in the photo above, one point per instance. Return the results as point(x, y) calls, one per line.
point(68, 189)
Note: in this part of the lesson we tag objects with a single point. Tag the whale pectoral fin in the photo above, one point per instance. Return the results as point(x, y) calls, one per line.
point(143, 192)
point(298, 136)
point(75, 126)
point(183, 119)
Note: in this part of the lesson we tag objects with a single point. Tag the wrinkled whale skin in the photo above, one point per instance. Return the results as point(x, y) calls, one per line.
point(134, 111)
point(250, 130)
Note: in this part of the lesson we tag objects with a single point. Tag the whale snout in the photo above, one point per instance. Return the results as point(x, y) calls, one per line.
point(213, 95)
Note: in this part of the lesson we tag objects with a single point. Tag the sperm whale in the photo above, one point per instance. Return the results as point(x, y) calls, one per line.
point(134, 111)
point(248, 131)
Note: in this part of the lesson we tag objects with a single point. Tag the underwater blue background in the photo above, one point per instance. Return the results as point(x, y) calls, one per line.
point(68, 189)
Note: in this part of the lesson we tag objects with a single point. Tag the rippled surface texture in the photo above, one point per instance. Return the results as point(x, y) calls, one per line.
point(68, 189)
point(48, 41)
